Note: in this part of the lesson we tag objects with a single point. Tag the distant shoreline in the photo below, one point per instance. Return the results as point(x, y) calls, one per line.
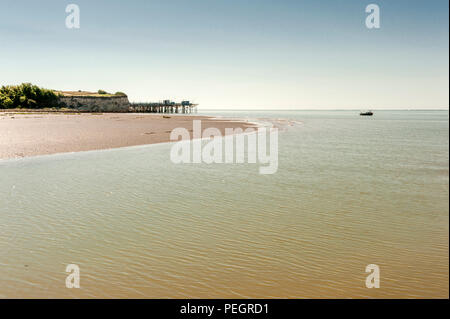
point(40, 111)
point(25, 134)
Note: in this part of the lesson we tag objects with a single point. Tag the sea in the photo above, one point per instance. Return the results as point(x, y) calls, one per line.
point(349, 192)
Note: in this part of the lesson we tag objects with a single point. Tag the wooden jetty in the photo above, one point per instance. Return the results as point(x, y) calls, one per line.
point(167, 106)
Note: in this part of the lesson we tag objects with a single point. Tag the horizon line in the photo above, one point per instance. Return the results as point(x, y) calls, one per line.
point(324, 109)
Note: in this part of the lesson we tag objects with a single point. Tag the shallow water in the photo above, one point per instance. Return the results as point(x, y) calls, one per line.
point(349, 192)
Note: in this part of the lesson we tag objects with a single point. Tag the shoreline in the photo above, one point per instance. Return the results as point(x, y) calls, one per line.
point(31, 134)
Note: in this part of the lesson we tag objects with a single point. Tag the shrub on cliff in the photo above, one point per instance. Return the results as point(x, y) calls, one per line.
point(120, 94)
point(102, 92)
point(28, 96)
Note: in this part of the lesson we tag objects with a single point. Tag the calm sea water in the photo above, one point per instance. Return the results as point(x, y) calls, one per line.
point(349, 191)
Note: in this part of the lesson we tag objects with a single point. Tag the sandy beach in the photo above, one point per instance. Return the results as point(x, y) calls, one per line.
point(32, 134)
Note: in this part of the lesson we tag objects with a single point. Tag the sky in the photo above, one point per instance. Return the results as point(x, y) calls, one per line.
point(235, 54)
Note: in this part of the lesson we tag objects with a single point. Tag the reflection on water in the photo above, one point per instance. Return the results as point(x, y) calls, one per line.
point(349, 192)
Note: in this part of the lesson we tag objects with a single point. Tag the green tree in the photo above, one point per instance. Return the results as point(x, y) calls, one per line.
point(27, 95)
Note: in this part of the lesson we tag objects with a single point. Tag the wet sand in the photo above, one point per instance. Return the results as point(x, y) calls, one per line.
point(32, 134)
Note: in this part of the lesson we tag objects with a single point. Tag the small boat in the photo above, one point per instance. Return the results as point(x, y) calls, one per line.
point(368, 113)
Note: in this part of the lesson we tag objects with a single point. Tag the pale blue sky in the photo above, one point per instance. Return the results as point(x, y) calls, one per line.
point(277, 54)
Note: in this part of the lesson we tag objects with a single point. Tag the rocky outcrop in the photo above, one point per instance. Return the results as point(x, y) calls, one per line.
point(109, 103)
